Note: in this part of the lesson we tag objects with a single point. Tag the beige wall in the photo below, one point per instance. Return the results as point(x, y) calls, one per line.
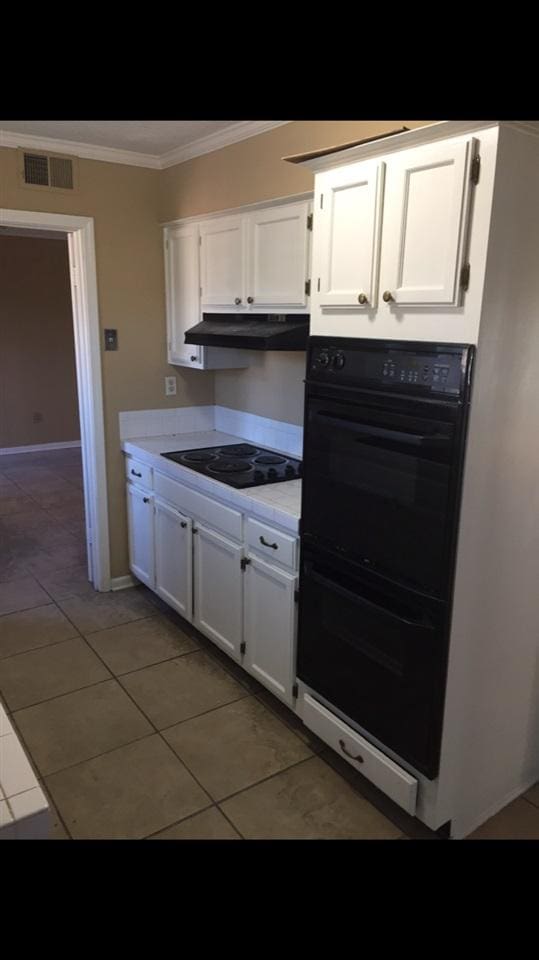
point(37, 354)
point(124, 203)
point(247, 172)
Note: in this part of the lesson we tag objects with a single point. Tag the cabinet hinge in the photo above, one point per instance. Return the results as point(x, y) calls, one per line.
point(244, 562)
point(295, 691)
point(243, 647)
point(307, 288)
point(200, 291)
point(309, 221)
point(321, 201)
point(318, 285)
point(465, 276)
point(296, 596)
point(475, 169)
point(199, 240)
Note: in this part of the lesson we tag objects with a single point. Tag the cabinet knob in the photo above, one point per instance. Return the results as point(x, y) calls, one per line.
point(387, 296)
point(145, 499)
point(183, 523)
point(192, 359)
point(250, 299)
point(237, 301)
point(362, 298)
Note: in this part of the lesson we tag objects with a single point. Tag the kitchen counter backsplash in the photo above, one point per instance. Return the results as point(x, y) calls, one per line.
point(275, 434)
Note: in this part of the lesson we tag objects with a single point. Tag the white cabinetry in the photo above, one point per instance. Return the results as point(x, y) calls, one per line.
point(140, 532)
point(270, 626)
point(174, 558)
point(218, 580)
point(256, 260)
point(397, 237)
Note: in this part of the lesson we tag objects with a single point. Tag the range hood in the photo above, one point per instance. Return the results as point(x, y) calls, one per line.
point(253, 331)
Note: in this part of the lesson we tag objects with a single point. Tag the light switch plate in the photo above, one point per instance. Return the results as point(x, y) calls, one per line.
point(170, 386)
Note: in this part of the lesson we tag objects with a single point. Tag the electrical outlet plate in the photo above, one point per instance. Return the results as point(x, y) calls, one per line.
point(170, 386)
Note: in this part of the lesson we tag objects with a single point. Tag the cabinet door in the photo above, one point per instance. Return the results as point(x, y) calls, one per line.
point(218, 589)
point(346, 239)
point(278, 244)
point(174, 558)
point(140, 530)
point(426, 209)
point(182, 289)
point(270, 626)
point(222, 262)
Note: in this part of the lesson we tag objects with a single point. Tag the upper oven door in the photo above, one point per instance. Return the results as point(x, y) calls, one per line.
point(377, 485)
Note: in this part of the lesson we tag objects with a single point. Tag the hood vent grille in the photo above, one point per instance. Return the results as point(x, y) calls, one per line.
point(48, 170)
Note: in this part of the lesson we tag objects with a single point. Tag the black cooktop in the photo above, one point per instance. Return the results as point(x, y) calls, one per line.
point(239, 464)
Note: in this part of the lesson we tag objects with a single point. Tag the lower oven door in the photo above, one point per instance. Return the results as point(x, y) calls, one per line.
point(379, 659)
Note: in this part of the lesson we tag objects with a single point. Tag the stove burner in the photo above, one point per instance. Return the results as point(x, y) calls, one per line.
point(199, 456)
point(240, 450)
point(269, 458)
point(230, 466)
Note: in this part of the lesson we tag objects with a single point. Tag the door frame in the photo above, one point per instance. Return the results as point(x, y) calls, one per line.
point(86, 328)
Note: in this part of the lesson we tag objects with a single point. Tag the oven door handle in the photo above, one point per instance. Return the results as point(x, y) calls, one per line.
point(357, 598)
point(412, 439)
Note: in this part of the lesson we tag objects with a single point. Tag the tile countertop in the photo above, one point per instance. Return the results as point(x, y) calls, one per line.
point(277, 503)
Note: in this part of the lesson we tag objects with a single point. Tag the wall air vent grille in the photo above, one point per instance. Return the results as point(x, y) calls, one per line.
point(36, 169)
point(48, 170)
point(61, 172)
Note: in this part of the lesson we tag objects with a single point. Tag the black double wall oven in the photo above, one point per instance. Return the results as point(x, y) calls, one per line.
point(385, 427)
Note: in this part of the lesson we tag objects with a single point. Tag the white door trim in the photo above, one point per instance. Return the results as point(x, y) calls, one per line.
point(81, 244)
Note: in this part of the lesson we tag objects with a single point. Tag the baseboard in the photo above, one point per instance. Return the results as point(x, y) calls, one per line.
point(121, 583)
point(38, 447)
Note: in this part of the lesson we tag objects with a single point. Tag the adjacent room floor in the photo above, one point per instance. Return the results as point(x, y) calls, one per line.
point(139, 727)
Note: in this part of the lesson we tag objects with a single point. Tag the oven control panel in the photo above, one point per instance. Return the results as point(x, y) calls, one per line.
point(394, 367)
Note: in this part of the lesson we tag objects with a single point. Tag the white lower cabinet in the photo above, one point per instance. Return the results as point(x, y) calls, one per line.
point(270, 626)
point(140, 530)
point(218, 579)
point(174, 558)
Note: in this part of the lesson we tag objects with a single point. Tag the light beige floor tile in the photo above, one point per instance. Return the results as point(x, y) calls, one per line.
point(69, 582)
point(519, 820)
point(179, 689)
point(33, 628)
point(231, 748)
point(103, 610)
point(308, 801)
point(21, 594)
point(132, 646)
point(80, 725)
point(533, 795)
point(51, 671)
point(126, 794)
point(208, 825)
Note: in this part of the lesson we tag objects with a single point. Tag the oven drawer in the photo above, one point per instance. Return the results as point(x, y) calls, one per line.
point(139, 473)
point(271, 543)
point(198, 506)
point(395, 782)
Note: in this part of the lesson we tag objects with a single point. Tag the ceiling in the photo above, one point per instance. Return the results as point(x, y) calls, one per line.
point(153, 143)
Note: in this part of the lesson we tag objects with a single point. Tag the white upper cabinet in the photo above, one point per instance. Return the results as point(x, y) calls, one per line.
point(182, 283)
point(222, 262)
point(278, 256)
point(427, 197)
point(347, 232)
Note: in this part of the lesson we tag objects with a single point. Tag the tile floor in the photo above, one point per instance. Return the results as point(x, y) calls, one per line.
point(139, 727)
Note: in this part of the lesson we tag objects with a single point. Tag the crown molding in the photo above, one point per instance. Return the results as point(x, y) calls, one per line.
point(9, 138)
point(222, 138)
point(88, 151)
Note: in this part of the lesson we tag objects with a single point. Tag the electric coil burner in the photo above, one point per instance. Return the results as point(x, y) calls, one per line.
point(239, 464)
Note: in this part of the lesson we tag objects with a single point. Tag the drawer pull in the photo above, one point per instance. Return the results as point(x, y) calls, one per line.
point(135, 474)
point(358, 759)
point(274, 546)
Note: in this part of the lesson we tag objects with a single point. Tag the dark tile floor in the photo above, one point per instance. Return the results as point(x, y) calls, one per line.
point(139, 727)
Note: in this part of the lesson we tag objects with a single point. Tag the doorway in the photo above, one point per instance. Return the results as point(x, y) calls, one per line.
point(83, 288)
